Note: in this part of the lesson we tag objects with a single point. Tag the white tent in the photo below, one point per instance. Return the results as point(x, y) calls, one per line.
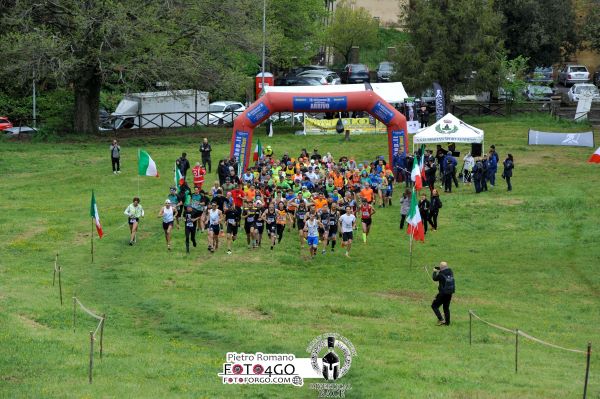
point(390, 92)
point(449, 129)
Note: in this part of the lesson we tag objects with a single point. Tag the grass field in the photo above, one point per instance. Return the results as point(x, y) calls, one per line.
point(527, 259)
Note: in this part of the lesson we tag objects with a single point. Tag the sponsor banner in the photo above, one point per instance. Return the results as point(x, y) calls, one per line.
point(256, 114)
point(584, 139)
point(241, 148)
point(440, 102)
point(382, 112)
point(413, 126)
point(397, 142)
point(323, 104)
point(355, 125)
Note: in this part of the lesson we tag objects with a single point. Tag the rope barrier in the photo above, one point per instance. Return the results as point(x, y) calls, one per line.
point(525, 335)
point(87, 310)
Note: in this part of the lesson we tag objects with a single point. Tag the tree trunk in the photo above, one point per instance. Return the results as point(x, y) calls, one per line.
point(87, 102)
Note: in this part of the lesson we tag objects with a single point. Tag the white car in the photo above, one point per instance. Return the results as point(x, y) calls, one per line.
point(224, 112)
point(582, 88)
point(324, 77)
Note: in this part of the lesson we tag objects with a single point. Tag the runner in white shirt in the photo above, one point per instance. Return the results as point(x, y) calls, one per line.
point(134, 212)
point(347, 225)
point(168, 214)
point(214, 226)
point(311, 227)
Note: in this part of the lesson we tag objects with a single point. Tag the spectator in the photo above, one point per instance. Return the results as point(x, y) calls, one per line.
point(115, 156)
point(205, 150)
point(509, 165)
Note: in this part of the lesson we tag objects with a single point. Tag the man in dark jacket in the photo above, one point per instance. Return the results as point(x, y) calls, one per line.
point(183, 164)
point(446, 287)
point(205, 150)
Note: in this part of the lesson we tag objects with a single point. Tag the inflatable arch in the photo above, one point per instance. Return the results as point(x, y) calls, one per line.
point(273, 102)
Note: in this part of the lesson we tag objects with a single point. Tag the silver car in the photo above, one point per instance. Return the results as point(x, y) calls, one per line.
point(571, 74)
point(331, 77)
point(581, 89)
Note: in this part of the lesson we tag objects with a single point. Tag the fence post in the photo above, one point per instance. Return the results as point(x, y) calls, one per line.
point(516, 350)
point(587, 369)
point(470, 327)
point(91, 356)
point(54, 274)
point(102, 334)
point(60, 286)
point(74, 304)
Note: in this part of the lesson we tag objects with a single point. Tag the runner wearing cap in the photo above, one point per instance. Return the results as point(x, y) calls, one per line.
point(168, 214)
point(134, 212)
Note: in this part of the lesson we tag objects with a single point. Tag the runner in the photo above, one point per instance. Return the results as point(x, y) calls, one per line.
point(134, 212)
point(249, 215)
point(281, 220)
point(269, 217)
point(199, 204)
point(290, 200)
point(168, 214)
point(233, 215)
point(190, 227)
point(311, 228)
point(324, 229)
point(214, 226)
point(347, 224)
point(300, 218)
point(259, 224)
point(333, 221)
point(366, 212)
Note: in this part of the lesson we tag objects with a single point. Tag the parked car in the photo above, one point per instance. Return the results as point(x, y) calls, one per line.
point(224, 112)
point(355, 73)
point(16, 131)
point(579, 89)
point(571, 74)
point(305, 81)
point(543, 75)
point(505, 95)
point(5, 123)
point(538, 93)
point(331, 78)
point(385, 70)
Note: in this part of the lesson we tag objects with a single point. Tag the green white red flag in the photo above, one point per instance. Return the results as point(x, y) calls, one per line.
point(415, 224)
point(95, 216)
point(415, 174)
point(257, 151)
point(179, 180)
point(146, 165)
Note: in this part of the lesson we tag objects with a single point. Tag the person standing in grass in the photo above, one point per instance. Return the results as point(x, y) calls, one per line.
point(404, 207)
point(168, 214)
point(434, 210)
point(424, 209)
point(446, 287)
point(205, 150)
point(347, 226)
point(509, 165)
point(134, 212)
point(115, 155)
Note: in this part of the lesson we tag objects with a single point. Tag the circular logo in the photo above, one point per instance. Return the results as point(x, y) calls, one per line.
point(237, 369)
point(334, 353)
point(258, 369)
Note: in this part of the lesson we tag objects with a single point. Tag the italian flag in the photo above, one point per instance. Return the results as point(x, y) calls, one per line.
point(95, 216)
point(595, 158)
point(415, 175)
point(179, 180)
point(415, 224)
point(422, 163)
point(257, 151)
point(146, 165)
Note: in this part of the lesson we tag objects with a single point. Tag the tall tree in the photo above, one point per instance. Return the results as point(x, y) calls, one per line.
point(545, 31)
point(351, 26)
point(83, 43)
point(453, 42)
point(591, 27)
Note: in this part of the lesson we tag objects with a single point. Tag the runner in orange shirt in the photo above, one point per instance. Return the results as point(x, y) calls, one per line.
point(366, 194)
point(320, 202)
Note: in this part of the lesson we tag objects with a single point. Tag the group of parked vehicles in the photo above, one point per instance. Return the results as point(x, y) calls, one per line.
point(315, 75)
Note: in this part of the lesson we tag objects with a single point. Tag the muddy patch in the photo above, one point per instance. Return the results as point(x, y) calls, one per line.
point(398, 294)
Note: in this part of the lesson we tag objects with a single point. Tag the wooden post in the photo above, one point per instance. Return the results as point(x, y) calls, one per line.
point(102, 334)
point(74, 304)
point(54, 274)
point(91, 356)
point(516, 350)
point(470, 327)
point(60, 287)
point(347, 135)
point(587, 369)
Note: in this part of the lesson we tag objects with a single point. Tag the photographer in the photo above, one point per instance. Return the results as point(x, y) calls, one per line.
point(446, 286)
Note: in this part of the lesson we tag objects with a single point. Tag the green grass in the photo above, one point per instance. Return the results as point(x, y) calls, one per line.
point(526, 259)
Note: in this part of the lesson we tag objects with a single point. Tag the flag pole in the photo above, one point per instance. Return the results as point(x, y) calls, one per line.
point(410, 252)
point(138, 174)
point(92, 240)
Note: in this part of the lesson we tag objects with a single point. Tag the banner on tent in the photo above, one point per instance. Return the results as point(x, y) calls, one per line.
point(355, 125)
point(413, 126)
point(584, 139)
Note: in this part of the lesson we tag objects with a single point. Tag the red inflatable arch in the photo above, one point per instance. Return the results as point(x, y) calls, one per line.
point(273, 102)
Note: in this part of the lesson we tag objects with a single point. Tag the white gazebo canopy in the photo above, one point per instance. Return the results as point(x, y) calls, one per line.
point(449, 129)
point(390, 92)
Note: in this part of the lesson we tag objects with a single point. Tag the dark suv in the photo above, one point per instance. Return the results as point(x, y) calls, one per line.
point(355, 73)
point(596, 78)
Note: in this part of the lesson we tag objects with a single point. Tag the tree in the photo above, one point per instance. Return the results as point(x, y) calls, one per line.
point(455, 43)
point(591, 28)
point(351, 27)
point(545, 31)
point(85, 43)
